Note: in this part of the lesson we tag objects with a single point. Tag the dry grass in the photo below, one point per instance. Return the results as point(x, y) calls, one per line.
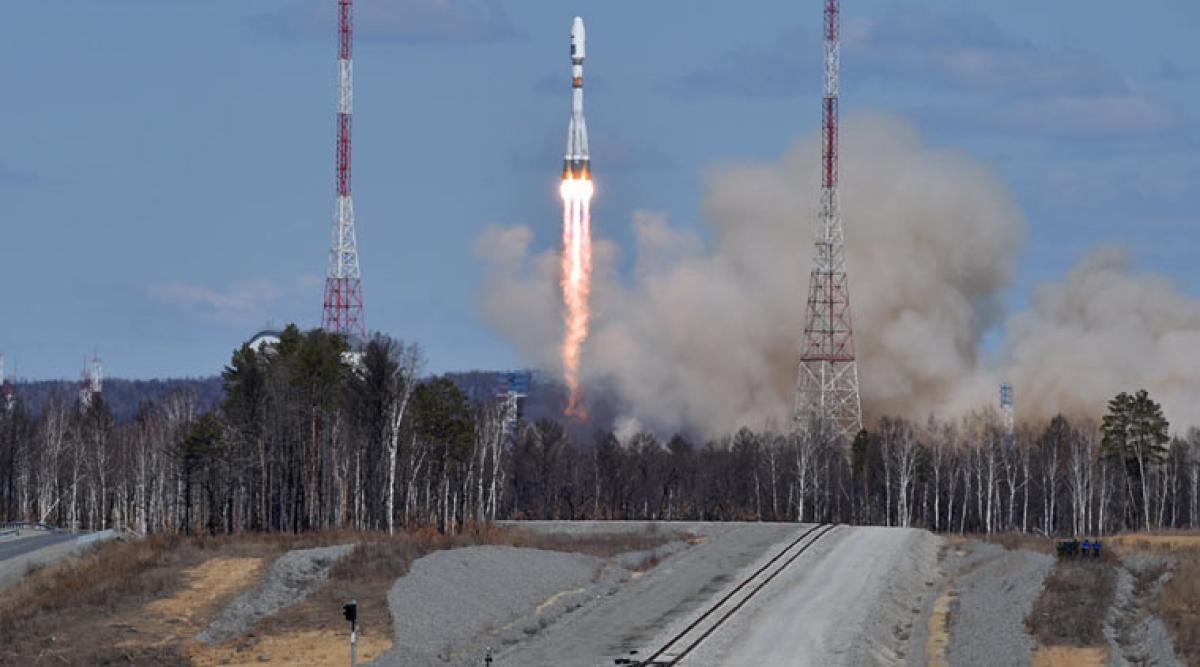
point(1178, 603)
point(1013, 541)
point(1068, 656)
point(1152, 541)
point(48, 612)
point(98, 608)
point(938, 628)
point(302, 648)
point(1075, 597)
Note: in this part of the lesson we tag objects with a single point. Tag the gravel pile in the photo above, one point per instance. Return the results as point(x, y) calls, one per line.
point(996, 590)
point(455, 603)
point(287, 581)
point(1135, 636)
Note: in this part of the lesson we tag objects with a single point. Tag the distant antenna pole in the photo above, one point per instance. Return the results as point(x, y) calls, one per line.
point(97, 376)
point(514, 386)
point(343, 304)
point(827, 394)
point(1006, 411)
point(7, 395)
point(90, 382)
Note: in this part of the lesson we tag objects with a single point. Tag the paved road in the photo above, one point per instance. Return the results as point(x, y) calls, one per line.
point(11, 548)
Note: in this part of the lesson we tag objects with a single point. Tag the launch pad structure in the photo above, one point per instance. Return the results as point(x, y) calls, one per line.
point(827, 395)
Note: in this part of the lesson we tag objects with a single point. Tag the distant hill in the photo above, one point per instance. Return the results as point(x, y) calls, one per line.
point(547, 395)
point(121, 396)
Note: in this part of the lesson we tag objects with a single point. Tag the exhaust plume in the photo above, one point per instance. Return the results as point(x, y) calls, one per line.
point(576, 282)
point(704, 336)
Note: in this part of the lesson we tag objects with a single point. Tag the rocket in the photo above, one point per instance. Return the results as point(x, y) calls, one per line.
point(577, 163)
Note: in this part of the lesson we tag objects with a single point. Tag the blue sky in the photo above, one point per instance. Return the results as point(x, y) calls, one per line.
point(166, 166)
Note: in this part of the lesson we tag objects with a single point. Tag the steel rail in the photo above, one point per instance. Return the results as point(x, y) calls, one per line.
point(817, 532)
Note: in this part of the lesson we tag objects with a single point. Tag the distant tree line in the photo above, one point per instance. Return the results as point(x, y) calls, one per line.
point(309, 436)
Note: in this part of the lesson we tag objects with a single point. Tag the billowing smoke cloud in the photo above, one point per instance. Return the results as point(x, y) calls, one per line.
point(704, 336)
point(1103, 330)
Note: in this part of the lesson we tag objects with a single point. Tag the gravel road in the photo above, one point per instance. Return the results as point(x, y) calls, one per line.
point(287, 581)
point(627, 616)
point(996, 589)
point(851, 600)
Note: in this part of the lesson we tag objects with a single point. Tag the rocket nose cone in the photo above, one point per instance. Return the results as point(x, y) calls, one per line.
point(578, 41)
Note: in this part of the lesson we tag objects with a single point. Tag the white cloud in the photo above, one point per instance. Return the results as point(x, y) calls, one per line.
point(250, 302)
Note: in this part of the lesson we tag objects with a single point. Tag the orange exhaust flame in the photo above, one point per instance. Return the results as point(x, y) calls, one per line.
point(576, 281)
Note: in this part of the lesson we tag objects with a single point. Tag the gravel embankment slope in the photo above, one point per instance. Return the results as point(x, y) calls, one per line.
point(1135, 635)
point(619, 618)
point(996, 589)
point(852, 599)
point(287, 581)
point(453, 603)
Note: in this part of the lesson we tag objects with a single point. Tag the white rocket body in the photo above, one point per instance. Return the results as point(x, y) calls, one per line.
point(577, 162)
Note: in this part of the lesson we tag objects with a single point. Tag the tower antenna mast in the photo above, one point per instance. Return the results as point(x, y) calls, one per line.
point(343, 306)
point(827, 396)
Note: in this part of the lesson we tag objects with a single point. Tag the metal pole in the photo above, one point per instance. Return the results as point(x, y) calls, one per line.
point(353, 644)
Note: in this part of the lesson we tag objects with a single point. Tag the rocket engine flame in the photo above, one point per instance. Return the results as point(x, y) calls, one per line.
point(576, 280)
point(576, 191)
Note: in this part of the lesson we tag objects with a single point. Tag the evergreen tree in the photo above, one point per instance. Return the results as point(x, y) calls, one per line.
point(1135, 434)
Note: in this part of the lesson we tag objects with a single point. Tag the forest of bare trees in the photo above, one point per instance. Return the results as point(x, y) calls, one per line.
point(309, 438)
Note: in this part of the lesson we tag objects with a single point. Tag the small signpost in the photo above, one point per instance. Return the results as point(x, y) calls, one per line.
point(350, 611)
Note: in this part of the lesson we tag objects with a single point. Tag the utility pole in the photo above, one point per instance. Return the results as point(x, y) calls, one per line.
point(827, 394)
point(343, 304)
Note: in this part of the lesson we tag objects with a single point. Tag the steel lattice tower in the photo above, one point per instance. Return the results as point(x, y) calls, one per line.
point(343, 311)
point(827, 388)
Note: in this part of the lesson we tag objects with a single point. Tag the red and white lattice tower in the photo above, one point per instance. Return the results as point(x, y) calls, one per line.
point(827, 388)
point(343, 311)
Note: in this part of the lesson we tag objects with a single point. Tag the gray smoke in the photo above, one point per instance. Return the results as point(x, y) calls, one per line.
point(704, 335)
point(1103, 330)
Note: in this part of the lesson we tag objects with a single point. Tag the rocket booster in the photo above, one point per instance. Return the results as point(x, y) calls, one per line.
point(577, 163)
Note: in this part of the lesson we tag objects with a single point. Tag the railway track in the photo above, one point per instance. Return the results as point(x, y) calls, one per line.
point(682, 644)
